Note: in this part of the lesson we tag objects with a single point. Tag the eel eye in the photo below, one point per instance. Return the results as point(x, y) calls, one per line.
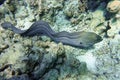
point(80, 42)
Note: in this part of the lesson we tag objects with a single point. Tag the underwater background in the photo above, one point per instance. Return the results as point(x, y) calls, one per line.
point(40, 58)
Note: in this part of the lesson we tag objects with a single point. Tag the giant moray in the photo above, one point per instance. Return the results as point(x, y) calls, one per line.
point(39, 28)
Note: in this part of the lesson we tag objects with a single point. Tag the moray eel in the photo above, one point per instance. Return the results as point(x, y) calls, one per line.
point(39, 28)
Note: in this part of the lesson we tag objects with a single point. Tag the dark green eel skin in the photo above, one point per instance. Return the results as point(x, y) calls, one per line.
point(76, 39)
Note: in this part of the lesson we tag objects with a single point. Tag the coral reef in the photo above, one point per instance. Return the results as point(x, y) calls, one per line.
point(24, 57)
point(40, 58)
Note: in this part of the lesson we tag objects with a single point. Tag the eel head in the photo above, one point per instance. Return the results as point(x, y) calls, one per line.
point(87, 39)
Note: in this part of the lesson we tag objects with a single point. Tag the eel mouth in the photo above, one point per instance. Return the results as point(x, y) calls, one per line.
point(99, 38)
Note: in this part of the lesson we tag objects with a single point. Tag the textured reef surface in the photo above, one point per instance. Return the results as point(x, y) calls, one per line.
point(40, 58)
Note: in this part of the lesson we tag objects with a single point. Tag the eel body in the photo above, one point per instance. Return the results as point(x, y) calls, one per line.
point(39, 28)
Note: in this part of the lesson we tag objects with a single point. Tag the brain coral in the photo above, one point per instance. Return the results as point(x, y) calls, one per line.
point(113, 6)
